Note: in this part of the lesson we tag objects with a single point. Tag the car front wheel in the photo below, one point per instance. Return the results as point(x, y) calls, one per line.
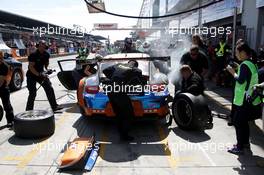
point(16, 81)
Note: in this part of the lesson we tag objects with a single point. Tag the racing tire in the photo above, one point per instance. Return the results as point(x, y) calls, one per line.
point(16, 80)
point(34, 124)
point(1, 113)
point(190, 112)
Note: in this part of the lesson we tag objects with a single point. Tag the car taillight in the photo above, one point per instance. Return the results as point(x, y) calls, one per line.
point(157, 87)
point(92, 89)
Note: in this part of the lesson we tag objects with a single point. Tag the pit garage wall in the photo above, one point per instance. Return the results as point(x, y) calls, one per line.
point(252, 18)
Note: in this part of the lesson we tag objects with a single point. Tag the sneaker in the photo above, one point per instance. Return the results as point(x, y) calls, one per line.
point(235, 150)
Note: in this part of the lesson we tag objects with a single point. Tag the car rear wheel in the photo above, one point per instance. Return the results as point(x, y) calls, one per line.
point(190, 112)
point(16, 81)
point(34, 124)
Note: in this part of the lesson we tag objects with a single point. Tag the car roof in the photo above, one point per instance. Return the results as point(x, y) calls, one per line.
point(127, 55)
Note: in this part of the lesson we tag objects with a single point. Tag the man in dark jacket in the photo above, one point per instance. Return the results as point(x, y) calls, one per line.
point(120, 75)
point(128, 47)
point(192, 82)
point(38, 63)
point(196, 60)
point(4, 91)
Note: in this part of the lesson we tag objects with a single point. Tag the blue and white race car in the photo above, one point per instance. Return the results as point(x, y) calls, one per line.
point(92, 94)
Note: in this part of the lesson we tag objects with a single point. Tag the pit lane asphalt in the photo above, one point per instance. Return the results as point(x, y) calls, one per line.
point(156, 149)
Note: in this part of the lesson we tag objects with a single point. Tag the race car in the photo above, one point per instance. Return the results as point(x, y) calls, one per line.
point(16, 76)
point(93, 99)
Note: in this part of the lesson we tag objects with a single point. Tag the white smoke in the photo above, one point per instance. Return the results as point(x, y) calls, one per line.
point(175, 47)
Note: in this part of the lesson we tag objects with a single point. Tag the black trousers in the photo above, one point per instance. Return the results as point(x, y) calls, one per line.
point(46, 84)
point(241, 124)
point(123, 109)
point(5, 97)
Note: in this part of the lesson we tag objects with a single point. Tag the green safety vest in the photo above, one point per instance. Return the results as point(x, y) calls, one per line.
point(82, 53)
point(221, 51)
point(240, 89)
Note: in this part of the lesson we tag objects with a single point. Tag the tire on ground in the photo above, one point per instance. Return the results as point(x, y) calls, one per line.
point(190, 112)
point(34, 124)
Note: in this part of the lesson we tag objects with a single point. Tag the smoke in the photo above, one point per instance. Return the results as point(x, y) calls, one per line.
point(175, 48)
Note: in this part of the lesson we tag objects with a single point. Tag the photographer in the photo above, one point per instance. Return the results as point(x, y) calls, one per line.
point(4, 91)
point(38, 61)
point(245, 107)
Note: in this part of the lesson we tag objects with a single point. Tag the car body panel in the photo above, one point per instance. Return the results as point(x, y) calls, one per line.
point(15, 66)
point(98, 103)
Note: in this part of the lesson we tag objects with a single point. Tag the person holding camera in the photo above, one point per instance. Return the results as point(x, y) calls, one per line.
point(38, 62)
point(246, 107)
point(4, 91)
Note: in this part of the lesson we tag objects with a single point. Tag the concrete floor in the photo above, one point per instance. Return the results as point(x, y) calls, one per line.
point(157, 149)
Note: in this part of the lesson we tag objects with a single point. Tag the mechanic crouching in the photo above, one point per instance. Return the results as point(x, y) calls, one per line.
point(120, 75)
point(38, 61)
point(4, 91)
point(193, 83)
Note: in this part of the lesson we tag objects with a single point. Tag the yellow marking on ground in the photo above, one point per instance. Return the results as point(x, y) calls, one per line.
point(172, 161)
point(30, 155)
point(26, 159)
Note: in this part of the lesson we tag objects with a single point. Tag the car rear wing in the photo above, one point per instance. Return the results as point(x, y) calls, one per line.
point(158, 62)
point(168, 59)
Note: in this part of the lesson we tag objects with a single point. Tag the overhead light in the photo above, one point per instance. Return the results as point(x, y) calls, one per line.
point(96, 3)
